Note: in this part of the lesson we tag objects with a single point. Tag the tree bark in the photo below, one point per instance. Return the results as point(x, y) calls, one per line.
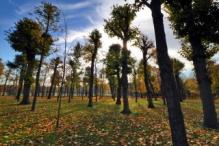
point(6, 80)
point(53, 79)
point(90, 104)
point(126, 109)
point(27, 80)
point(210, 116)
point(146, 81)
point(118, 100)
point(166, 71)
point(179, 88)
point(21, 80)
point(152, 88)
point(37, 80)
point(43, 87)
point(135, 84)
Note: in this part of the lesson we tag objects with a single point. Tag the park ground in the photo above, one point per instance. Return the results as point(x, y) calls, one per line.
point(103, 124)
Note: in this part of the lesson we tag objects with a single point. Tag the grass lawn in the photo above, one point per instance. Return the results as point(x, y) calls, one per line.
point(100, 125)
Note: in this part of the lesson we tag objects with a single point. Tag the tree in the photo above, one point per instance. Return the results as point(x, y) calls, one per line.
point(86, 78)
point(197, 22)
point(114, 63)
point(166, 72)
point(75, 64)
point(119, 25)
point(91, 49)
point(54, 62)
point(26, 38)
point(213, 71)
point(45, 73)
point(1, 68)
point(134, 73)
point(177, 68)
point(146, 47)
point(10, 66)
point(48, 17)
point(21, 63)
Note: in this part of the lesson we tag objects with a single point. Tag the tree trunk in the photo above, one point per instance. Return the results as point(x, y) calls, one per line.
point(118, 100)
point(82, 92)
point(43, 87)
point(26, 93)
point(152, 87)
point(113, 87)
point(96, 79)
point(53, 79)
point(126, 109)
point(37, 80)
point(146, 81)
point(6, 80)
point(210, 116)
point(39, 90)
point(73, 90)
point(166, 71)
point(135, 84)
point(21, 80)
point(90, 104)
point(27, 80)
point(179, 88)
point(54, 90)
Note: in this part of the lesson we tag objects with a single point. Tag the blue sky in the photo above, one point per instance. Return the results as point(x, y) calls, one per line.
point(82, 16)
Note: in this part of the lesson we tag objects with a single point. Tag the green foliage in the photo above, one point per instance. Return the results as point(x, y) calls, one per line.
point(119, 24)
point(186, 49)
point(177, 66)
point(77, 52)
point(25, 37)
point(144, 43)
point(92, 44)
point(58, 78)
point(87, 73)
point(213, 72)
point(48, 16)
point(140, 70)
point(20, 60)
point(195, 19)
point(55, 61)
point(113, 59)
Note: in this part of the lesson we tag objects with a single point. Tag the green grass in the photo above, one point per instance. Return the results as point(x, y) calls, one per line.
point(100, 125)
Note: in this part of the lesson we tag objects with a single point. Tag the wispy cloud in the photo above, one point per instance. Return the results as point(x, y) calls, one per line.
point(75, 6)
point(24, 9)
point(143, 21)
point(11, 2)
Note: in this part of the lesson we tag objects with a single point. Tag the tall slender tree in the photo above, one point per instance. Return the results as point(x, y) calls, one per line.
point(75, 65)
point(146, 47)
point(48, 17)
point(114, 63)
point(119, 25)
point(10, 67)
point(26, 38)
point(197, 22)
point(166, 72)
point(54, 62)
point(94, 43)
point(177, 68)
point(134, 74)
point(21, 63)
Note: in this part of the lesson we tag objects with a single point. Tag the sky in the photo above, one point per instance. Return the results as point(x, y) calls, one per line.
point(82, 16)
